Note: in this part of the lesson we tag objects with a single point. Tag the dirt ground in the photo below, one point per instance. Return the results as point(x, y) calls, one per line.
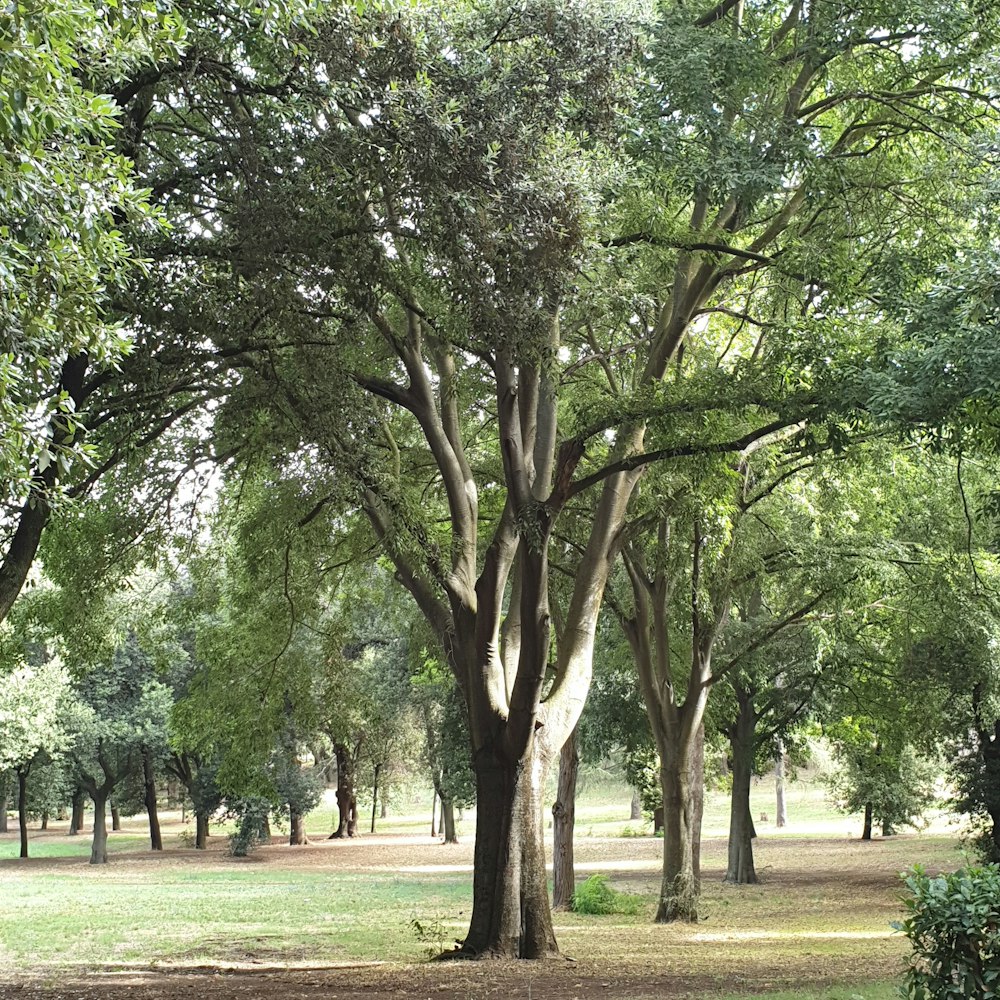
point(744, 952)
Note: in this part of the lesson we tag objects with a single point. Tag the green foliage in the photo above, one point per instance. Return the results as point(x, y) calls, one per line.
point(595, 896)
point(251, 815)
point(953, 924)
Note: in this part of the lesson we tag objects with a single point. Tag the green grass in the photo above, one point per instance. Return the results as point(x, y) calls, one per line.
point(874, 991)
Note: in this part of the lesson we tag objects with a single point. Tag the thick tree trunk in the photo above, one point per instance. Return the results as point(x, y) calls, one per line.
point(22, 808)
point(149, 781)
point(697, 771)
point(378, 768)
point(76, 813)
point(679, 890)
point(866, 833)
point(448, 821)
point(740, 869)
point(563, 821)
point(297, 835)
point(116, 819)
point(511, 917)
point(781, 810)
point(99, 849)
point(200, 830)
point(347, 803)
point(635, 807)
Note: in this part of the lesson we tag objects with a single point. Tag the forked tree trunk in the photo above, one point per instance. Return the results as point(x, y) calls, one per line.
point(116, 819)
point(149, 782)
point(22, 808)
point(679, 889)
point(510, 912)
point(866, 832)
point(781, 810)
point(563, 821)
point(76, 814)
point(297, 834)
point(740, 869)
point(448, 821)
point(635, 806)
point(200, 830)
point(99, 848)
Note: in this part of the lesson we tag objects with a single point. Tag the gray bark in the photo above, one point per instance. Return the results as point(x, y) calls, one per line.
point(563, 822)
point(781, 810)
point(99, 848)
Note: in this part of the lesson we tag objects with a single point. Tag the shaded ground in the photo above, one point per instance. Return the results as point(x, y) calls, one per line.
point(820, 916)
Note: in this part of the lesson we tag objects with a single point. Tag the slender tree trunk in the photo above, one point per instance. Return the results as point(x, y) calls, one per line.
point(740, 869)
point(510, 911)
point(116, 819)
point(434, 805)
point(679, 890)
point(149, 781)
point(297, 835)
point(866, 833)
point(45, 819)
point(635, 807)
point(563, 821)
point(697, 771)
point(3, 813)
point(76, 814)
point(781, 811)
point(200, 830)
point(384, 810)
point(378, 768)
point(22, 808)
point(448, 821)
point(267, 829)
point(99, 849)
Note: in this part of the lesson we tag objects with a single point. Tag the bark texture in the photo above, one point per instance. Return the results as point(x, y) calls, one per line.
point(149, 796)
point(563, 822)
point(297, 832)
point(866, 830)
point(22, 807)
point(448, 821)
point(200, 830)
point(77, 812)
point(99, 847)
point(781, 809)
point(347, 801)
point(740, 868)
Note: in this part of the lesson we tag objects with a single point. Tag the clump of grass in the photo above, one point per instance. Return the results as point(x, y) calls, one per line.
point(595, 896)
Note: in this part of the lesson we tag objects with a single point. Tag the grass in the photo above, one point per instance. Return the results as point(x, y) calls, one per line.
point(875, 991)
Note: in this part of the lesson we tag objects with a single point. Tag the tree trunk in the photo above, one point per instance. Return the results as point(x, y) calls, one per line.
point(200, 830)
point(635, 807)
point(434, 805)
point(781, 811)
point(563, 820)
point(697, 771)
point(22, 808)
point(679, 890)
point(266, 826)
point(887, 830)
point(866, 833)
point(116, 819)
point(297, 835)
point(448, 821)
point(149, 780)
point(347, 803)
point(510, 910)
point(99, 849)
point(3, 813)
point(76, 815)
point(384, 810)
point(45, 820)
point(378, 768)
point(740, 869)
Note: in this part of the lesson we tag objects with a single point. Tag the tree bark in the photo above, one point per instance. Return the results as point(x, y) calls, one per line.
point(384, 808)
point(448, 821)
point(887, 830)
point(45, 820)
point(76, 815)
point(149, 781)
point(297, 834)
point(434, 804)
point(740, 869)
point(866, 833)
point(22, 807)
point(347, 803)
point(510, 911)
point(781, 810)
point(679, 888)
point(200, 830)
point(563, 822)
point(378, 768)
point(635, 807)
point(116, 819)
point(99, 849)
point(3, 813)
point(697, 802)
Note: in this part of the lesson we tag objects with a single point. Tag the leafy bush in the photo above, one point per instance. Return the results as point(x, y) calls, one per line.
point(953, 924)
point(251, 816)
point(595, 896)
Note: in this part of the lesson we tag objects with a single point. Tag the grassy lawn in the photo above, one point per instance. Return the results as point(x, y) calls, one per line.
point(817, 927)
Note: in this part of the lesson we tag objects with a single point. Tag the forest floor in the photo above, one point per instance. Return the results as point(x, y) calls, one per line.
point(353, 920)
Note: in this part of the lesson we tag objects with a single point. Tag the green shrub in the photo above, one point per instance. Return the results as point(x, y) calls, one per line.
point(953, 923)
point(595, 896)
